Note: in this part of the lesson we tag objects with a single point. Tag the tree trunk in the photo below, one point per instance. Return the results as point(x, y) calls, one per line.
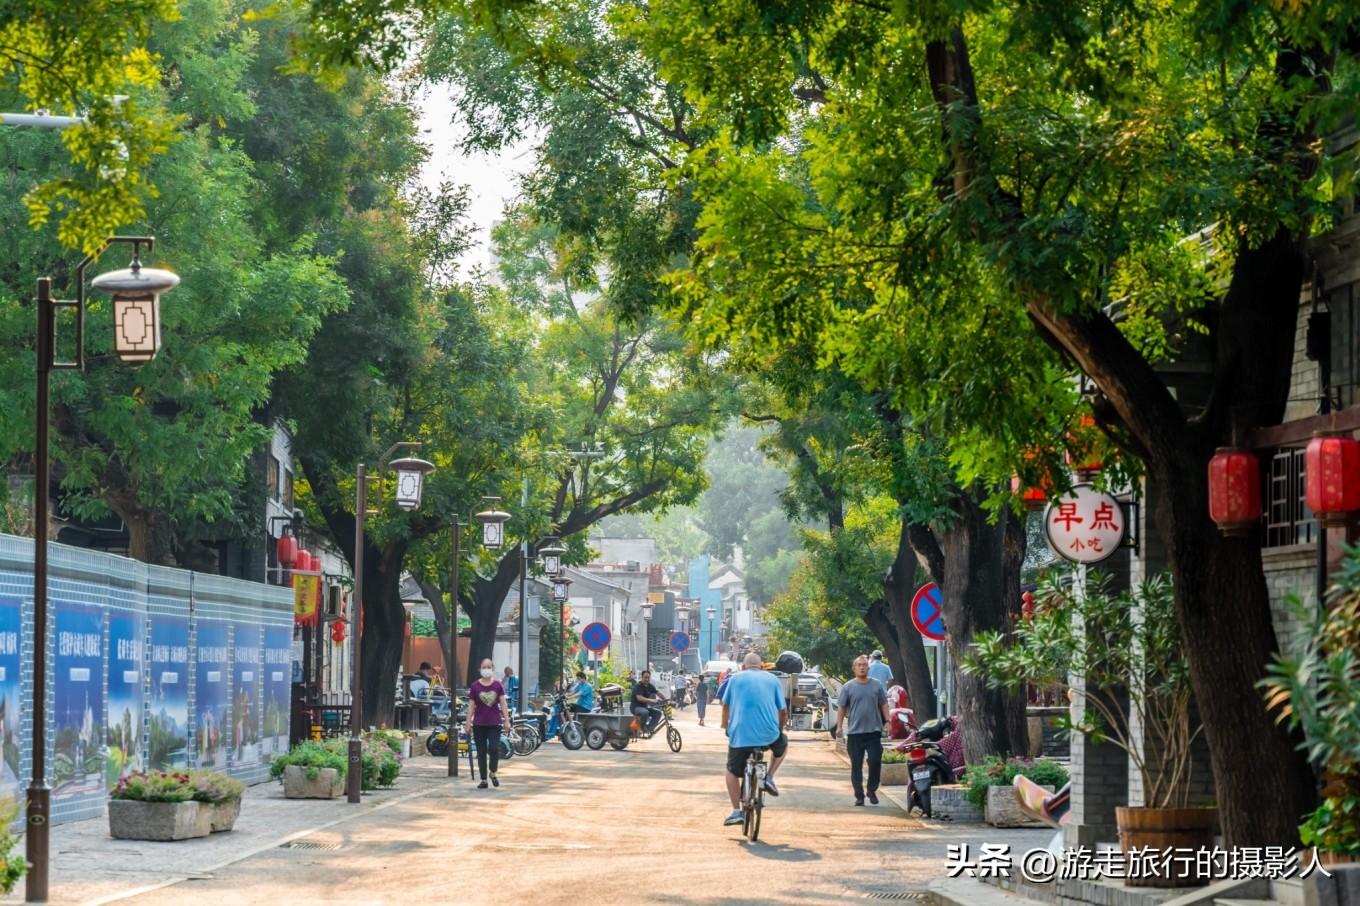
point(898, 590)
point(880, 624)
point(384, 631)
point(441, 622)
point(484, 608)
point(974, 598)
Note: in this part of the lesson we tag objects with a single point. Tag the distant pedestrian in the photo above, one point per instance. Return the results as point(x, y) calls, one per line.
point(679, 683)
point(701, 696)
point(487, 714)
point(511, 683)
point(863, 705)
point(879, 670)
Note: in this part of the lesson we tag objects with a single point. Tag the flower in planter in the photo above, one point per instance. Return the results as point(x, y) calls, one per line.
point(214, 786)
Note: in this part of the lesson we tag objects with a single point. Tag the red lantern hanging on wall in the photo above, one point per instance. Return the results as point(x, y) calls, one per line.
point(338, 630)
point(1332, 477)
point(1234, 491)
point(287, 551)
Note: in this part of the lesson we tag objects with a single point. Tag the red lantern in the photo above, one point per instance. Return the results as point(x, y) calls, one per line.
point(1027, 605)
point(338, 631)
point(287, 551)
point(1234, 491)
point(302, 562)
point(1332, 466)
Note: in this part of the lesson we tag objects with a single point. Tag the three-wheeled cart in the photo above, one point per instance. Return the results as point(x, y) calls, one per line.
point(618, 728)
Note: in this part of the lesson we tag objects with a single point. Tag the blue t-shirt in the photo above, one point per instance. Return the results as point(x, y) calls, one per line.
point(754, 699)
point(880, 671)
point(585, 695)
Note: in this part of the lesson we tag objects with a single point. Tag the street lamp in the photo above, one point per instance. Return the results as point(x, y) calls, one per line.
point(411, 474)
point(354, 776)
point(551, 550)
point(452, 657)
point(561, 587)
point(133, 282)
point(136, 295)
point(493, 524)
point(711, 613)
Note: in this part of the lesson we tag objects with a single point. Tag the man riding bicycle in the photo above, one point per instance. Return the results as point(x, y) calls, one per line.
point(581, 696)
point(753, 713)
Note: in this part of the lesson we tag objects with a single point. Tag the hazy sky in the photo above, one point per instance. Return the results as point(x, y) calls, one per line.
point(493, 178)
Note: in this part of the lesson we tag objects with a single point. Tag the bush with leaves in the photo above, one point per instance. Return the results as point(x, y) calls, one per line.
point(12, 865)
point(214, 786)
point(1116, 642)
point(155, 786)
point(996, 771)
point(1318, 690)
point(312, 757)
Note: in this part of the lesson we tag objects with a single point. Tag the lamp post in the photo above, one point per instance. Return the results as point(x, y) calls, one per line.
point(711, 614)
point(136, 296)
point(551, 550)
point(646, 611)
point(561, 587)
point(410, 482)
point(453, 647)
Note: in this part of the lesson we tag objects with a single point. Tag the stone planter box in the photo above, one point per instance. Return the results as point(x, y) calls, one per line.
point(327, 784)
point(133, 820)
point(1004, 811)
point(223, 815)
point(1341, 889)
point(895, 774)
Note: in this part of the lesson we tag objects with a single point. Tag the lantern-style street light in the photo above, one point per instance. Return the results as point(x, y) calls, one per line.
point(551, 550)
point(561, 587)
point(354, 775)
point(411, 474)
point(493, 524)
point(130, 286)
point(136, 295)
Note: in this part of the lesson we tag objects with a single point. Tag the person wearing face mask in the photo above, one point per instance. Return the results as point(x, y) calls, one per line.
point(487, 714)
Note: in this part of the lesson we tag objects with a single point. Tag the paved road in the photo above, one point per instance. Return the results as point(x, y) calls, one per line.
point(643, 825)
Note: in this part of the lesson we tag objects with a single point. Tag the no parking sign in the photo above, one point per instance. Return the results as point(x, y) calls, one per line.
point(927, 612)
point(596, 636)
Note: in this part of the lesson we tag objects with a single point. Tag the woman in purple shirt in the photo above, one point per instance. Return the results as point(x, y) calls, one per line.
point(486, 715)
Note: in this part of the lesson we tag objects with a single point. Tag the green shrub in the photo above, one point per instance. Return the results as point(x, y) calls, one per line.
point(214, 786)
point(894, 757)
point(12, 866)
point(995, 771)
point(312, 757)
point(155, 786)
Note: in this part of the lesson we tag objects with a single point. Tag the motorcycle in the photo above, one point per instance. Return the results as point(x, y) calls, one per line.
point(932, 752)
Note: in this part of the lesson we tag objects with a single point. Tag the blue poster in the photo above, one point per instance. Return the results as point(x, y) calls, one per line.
point(169, 705)
point(278, 675)
point(212, 691)
point(126, 656)
point(11, 714)
point(78, 761)
point(245, 712)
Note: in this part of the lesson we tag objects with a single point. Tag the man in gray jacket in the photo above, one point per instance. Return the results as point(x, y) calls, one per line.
point(863, 706)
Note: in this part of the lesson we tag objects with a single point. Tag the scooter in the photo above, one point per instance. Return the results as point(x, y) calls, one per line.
point(927, 766)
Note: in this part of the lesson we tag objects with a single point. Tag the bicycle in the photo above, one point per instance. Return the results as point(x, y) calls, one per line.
point(753, 794)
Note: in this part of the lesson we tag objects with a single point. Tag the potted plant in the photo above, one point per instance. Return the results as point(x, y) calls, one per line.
point(220, 795)
point(1318, 690)
point(157, 805)
point(894, 770)
point(1129, 640)
point(990, 791)
point(310, 770)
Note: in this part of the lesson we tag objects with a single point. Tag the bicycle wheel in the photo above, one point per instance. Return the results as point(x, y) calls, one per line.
point(673, 739)
point(756, 809)
point(523, 740)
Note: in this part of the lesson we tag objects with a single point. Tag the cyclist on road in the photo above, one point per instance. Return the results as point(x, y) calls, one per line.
point(753, 713)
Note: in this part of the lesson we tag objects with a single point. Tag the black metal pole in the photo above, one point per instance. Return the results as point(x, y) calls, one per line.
point(39, 793)
point(453, 654)
point(562, 644)
point(354, 779)
point(523, 703)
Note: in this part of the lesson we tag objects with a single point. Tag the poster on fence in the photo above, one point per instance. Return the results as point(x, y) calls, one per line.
point(212, 692)
point(278, 675)
point(78, 759)
point(11, 680)
point(245, 712)
point(126, 653)
point(169, 734)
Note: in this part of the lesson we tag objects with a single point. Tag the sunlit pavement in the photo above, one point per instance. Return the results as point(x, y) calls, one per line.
point(642, 825)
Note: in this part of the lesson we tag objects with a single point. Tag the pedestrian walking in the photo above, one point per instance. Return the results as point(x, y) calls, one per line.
point(879, 670)
point(487, 714)
point(679, 683)
point(511, 684)
point(863, 706)
point(701, 696)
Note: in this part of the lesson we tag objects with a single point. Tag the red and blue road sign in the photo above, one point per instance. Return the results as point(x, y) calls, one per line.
point(679, 642)
point(596, 636)
point(927, 612)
